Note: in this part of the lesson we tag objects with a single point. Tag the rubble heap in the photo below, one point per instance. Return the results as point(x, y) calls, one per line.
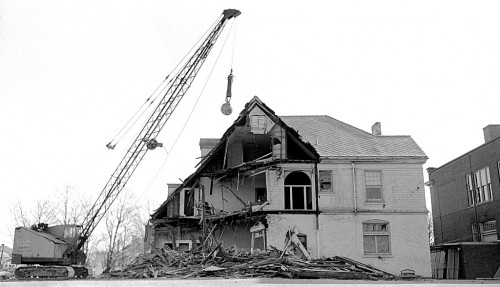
point(229, 263)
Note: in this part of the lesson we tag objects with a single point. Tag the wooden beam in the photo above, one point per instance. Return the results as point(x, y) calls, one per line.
point(235, 195)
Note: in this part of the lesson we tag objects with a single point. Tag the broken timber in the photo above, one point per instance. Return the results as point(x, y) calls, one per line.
point(206, 261)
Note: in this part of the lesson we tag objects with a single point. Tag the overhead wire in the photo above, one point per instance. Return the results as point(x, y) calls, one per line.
point(191, 112)
point(234, 44)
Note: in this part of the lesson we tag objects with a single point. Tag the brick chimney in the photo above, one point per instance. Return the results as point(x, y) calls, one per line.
point(491, 132)
point(377, 129)
point(172, 187)
point(206, 145)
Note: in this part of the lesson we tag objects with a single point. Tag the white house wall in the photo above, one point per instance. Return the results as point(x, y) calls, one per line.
point(275, 184)
point(279, 224)
point(342, 235)
point(402, 188)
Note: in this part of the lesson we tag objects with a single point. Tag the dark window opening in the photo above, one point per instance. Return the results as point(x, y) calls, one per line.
point(287, 197)
point(303, 239)
point(188, 202)
point(297, 178)
point(298, 197)
point(258, 146)
point(260, 195)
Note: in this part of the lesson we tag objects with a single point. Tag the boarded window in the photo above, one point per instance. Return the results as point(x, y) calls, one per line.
point(325, 181)
point(258, 124)
point(373, 184)
point(376, 237)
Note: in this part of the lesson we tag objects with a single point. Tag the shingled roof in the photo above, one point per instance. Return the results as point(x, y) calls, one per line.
point(334, 139)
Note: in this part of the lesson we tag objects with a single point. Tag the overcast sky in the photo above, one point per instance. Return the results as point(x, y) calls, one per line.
point(73, 72)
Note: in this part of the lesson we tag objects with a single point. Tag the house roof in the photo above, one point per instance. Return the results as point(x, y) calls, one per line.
point(322, 136)
point(334, 139)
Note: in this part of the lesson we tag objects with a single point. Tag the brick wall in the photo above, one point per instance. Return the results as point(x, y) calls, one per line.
point(452, 215)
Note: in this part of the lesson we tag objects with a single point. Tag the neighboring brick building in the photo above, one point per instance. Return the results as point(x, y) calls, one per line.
point(345, 191)
point(465, 197)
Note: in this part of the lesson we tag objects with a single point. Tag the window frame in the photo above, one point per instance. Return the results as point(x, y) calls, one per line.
point(305, 189)
point(258, 124)
point(330, 175)
point(482, 192)
point(469, 185)
point(288, 193)
point(482, 230)
point(381, 199)
point(257, 193)
point(377, 234)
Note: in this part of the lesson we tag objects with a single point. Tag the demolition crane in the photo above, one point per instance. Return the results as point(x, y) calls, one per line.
point(56, 251)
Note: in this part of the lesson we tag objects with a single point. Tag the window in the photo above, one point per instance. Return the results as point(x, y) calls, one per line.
point(479, 186)
point(325, 180)
point(470, 189)
point(376, 237)
point(258, 124)
point(373, 183)
point(260, 194)
point(298, 194)
point(483, 185)
point(183, 245)
point(488, 231)
point(303, 239)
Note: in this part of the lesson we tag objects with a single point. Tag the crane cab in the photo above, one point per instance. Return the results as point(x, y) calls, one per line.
point(42, 244)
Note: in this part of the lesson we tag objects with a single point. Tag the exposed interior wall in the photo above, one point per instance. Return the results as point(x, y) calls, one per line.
point(169, 235)
point(279, 142)
point(237, 234)
point(223, 199)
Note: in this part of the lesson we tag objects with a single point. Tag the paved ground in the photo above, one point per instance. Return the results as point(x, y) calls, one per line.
point(245, 282)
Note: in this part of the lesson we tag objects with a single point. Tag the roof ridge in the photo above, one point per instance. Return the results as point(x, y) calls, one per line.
point(332, 118)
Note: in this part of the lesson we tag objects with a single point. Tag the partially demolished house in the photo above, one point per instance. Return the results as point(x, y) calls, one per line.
point(341, 190)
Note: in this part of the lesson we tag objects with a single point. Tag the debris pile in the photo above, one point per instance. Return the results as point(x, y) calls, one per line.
point(229, 263)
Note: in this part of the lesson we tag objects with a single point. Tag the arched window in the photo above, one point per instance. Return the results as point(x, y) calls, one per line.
point(298, 194)
point(376, 237)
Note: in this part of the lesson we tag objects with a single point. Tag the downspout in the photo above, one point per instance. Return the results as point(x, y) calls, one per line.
point(354, 194)
point(316, 179)
point(355, 199)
